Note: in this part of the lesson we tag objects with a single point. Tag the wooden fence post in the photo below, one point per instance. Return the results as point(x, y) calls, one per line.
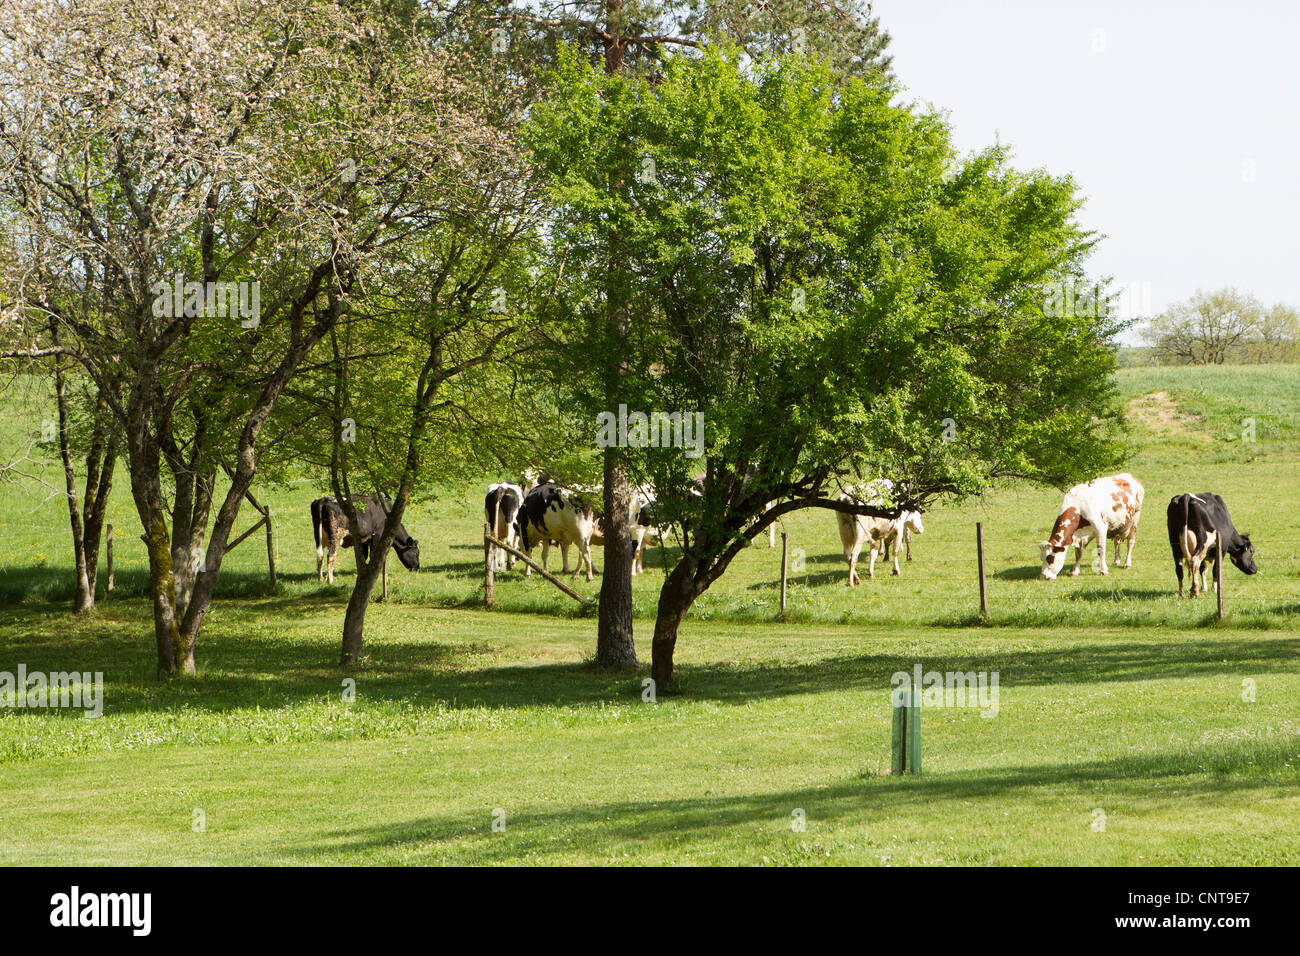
point(270, 547)
point(488, 597)
point(979, 549)
point(109, 587)
point(785, 555)
point(1218, 572)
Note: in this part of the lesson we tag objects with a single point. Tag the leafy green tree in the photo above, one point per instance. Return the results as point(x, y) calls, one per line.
point(839, 296)
point(1223, 326)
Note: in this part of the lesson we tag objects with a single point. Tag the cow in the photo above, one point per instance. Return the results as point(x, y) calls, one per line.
point(881, 491)
point(645, 526)
point(1197, 523)
point(500, 508)
point(1103, 508)
point(856, 529)
point(329, 525)
point(554, 514)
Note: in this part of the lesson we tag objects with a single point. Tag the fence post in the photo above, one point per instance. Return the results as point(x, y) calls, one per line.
point(1218, 572)
point(270, 547)
point(109, 587)
point(979, 549)
point(785, 555)
point(488, 597)
point(914, 732)
point(898, 730)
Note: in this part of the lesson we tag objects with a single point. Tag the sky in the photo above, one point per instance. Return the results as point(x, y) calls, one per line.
point(1180, 122)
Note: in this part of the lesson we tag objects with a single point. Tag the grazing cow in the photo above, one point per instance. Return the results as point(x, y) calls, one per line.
point(645, 526)
point(329, 525)
point(880, 491)
point(1196, 524)
point(551, 513)
point(501, 507)
point(1103, 508)
point(856, 529)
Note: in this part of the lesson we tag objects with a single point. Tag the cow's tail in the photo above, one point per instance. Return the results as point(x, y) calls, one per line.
point(1188, 549)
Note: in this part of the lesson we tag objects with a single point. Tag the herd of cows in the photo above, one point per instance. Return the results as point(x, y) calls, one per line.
point(537, 511)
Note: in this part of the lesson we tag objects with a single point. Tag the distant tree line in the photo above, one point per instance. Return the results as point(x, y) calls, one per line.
point(1224, 327)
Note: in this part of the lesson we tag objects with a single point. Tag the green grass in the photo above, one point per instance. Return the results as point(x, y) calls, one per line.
point(1114, 695)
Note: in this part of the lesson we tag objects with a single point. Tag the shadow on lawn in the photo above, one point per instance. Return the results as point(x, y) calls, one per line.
point(1240, 766)
point(263, 666)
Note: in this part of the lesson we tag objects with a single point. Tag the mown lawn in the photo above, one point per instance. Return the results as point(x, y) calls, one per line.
point(1114, 698)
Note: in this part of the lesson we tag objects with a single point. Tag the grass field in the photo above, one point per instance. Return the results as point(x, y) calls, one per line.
point(1118, 703)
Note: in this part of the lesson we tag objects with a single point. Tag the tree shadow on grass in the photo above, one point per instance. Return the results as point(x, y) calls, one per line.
point(1239, 766)
point(258, 663)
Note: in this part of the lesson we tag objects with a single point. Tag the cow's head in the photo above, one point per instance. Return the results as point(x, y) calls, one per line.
point(1243, 555)
point(912, 522)
point(1053, 556)
point(408, 552)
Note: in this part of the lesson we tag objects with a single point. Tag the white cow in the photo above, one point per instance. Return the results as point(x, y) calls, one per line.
point(554, 514)
point(875, 532)
point(644, 529)
point(1103, 508)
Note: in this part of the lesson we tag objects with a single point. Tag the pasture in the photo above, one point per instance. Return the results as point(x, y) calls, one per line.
point(1115, 697)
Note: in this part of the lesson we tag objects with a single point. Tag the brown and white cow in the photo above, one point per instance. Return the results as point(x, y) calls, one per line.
point(855, 530)
point(554, 514)
point(1104, 508)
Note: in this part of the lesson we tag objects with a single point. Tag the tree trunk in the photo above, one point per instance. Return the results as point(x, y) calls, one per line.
point(85, 590)
point(675, 599)
point(354, 620)
point(614, 642)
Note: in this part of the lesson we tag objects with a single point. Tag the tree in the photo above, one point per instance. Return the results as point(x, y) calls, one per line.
point(1223, 326)
point(839, 297)
point(630, 37)
point(173, 155)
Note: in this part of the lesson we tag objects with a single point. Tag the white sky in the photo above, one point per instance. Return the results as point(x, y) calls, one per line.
point(1180, 121)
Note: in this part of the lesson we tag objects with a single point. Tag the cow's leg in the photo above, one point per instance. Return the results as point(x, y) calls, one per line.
point(897, 547)
point(1101, 550)
point(873, 549)
point(333, 553)
point(320, 561)
point(907, 543)
point(1078, 556)
point(564, 553)
point(771, 536)
point(584, 554)
point(1178, 569)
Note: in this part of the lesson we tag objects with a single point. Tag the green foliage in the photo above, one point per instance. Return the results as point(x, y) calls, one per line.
point(814, 269)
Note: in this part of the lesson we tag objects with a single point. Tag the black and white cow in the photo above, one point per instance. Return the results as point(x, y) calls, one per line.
point(330, 526)
point(501, 508)
point(554, 514)
point(1197, 523)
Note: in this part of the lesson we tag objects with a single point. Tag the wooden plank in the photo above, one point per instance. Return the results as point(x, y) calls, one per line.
point(240, 540)
point(539, 569)
point(979, 550)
